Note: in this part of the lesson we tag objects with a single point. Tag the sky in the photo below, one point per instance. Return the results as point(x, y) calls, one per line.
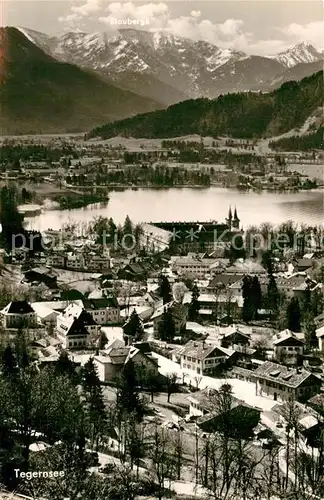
point(263, 27)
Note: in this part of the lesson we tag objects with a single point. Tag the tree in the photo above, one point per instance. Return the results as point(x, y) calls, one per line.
point(100, 227)
point(148, 377)
point(94, 399)
point(138, 231)
point(9, 363)
point(171, 384)
point(127, 227)
point(128, 400)
point(252, 297)
point(166, 327)
point(248, 310)
point(64, 365)
point(165, 290)
point(309, 328)
point(134, 328)
point(194, 304)
point(272, 294)
point(10, 219)
point(293, 315)
point(161, 461)
point(218, 291)
point(256, 295)
point(102, 341)
point(177, 451)
point(292, 414)
point(22, 352)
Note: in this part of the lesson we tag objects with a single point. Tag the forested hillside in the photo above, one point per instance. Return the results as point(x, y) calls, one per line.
point(314, 140)
point(245, 115)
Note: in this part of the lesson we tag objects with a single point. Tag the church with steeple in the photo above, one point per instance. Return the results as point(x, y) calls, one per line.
point(197, 236)
point(233, 221)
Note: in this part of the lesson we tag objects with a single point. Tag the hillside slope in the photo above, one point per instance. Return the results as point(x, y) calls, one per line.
point(237, 115)
point(41, 95)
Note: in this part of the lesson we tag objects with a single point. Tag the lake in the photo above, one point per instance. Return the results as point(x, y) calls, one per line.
point(185, 204)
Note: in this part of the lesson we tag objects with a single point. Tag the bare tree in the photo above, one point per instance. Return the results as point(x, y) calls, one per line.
point(161, 460)
point(171, 384)
point(198, 379)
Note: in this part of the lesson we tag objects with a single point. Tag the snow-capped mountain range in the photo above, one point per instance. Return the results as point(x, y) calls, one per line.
point(166, 67)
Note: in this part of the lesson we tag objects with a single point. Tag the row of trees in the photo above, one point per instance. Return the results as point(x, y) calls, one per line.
point(313, 140)
point(161, 175)
point(13, 153)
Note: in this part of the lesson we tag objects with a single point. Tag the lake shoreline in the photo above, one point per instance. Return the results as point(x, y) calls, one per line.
point(190, 204)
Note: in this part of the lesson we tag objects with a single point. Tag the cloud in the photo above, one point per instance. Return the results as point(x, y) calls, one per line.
point(155, 14)
point(231, 33)
point(158, 17)
point(310, 32)
point(80, 13)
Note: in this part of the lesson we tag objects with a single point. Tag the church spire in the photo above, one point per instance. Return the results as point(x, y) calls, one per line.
point(236, 220)
point(230, 213)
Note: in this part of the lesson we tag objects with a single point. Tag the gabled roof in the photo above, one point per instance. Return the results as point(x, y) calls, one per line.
point(236, 331)
point(206, 399)
point(225, 279)
point(44, 271)
point(75, 311)
point(100, 303)
point(118, 355)
point(305, 263)
point(18, 307)
point(283, 375)
point(134, 269)
point(177, 309)
point(246, 267)
point(286, 335)
point(200, 350)
point(70, 326)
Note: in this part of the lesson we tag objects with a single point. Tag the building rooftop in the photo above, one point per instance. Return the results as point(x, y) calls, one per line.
point(18, 307)
point(100, 303)
point(246, 267)
point(200, 350)
point(225, 279)
point(283, 375)
point(285, 335)
point(44, 271)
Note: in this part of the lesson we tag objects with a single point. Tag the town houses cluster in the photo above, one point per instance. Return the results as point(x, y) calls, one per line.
point(194, 328)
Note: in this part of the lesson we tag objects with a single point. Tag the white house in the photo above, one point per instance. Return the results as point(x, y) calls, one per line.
point(288, 347)
point(110, 362)
point(201, 357)
point(105, 310)
point(18, 314)
point(75, 327)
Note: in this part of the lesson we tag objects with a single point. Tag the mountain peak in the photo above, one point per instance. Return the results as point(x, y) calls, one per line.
point(303, 52)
